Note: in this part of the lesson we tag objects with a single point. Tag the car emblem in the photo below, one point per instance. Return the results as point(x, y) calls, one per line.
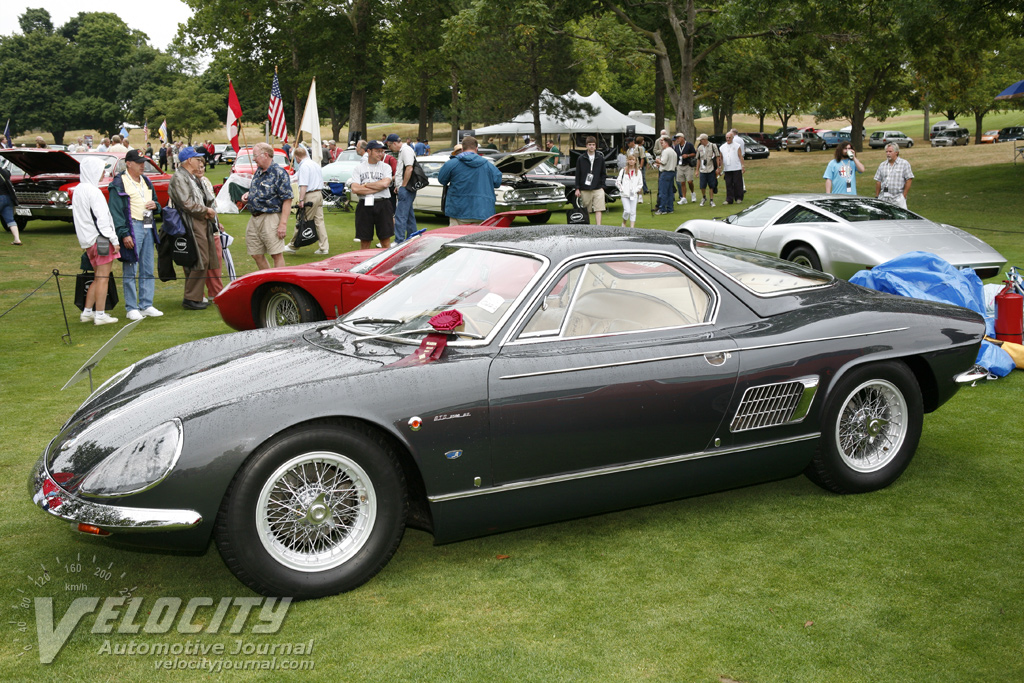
point(415, 423)
point(452, 455)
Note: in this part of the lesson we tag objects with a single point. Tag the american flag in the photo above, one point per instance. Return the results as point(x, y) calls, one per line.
point(275, 113)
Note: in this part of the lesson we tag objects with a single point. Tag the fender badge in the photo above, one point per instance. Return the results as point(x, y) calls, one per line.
point(452, 455)
point(415, 423)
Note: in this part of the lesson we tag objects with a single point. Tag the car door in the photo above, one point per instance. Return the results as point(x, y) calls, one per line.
point(618, 362)
point(744, 229)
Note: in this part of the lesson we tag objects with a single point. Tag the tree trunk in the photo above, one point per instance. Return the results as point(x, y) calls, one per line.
point(424, 101)
point(979, 116)
point(357, 111)
point(455, 108)
point(927, 128)
point(857, 129)
point(659, 99)
point(335, 124)
point(760, 125)
point(58, 136)
point(717, 118)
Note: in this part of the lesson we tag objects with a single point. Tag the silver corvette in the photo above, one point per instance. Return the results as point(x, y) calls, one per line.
point(843, 234)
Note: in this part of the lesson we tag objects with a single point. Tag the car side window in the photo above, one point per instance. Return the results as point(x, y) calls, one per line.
point(608, 297)
point(801, 214)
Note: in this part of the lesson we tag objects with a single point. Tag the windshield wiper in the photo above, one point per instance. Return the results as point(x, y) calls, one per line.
point(423, 330)
point(359, 321)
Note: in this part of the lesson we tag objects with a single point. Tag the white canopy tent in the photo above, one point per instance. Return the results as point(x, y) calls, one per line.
point(606, 119)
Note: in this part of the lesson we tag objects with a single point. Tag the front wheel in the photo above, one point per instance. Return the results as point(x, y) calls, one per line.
point(287, 305)
point(871, 427)
point(539, 218)
point(315, 512)
point(808, 148)
point(910, 144)
point(806, 257)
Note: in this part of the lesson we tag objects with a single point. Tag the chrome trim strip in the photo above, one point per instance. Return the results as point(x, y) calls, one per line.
point(703, 353)
point(810, 390)
point(615, 469)
point(50, 497)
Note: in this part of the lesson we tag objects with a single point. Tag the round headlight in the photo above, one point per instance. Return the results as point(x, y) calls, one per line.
point(511, 195)
point(136, 466)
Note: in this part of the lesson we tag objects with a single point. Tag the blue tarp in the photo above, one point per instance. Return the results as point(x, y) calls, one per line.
point(921, 275)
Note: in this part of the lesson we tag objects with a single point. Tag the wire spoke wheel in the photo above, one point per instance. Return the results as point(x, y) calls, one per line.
point(316, 511)
point(282, 310)
point(872, 426)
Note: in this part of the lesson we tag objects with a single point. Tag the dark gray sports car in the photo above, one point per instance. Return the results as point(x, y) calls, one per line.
point(517, 377)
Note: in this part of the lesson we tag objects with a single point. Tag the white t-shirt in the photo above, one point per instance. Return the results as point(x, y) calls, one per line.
point(406, 157)
point(367, 173)
point(730, 156)
point(310, 176)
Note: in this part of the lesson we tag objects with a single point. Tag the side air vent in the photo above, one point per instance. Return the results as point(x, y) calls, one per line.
point(770, 405)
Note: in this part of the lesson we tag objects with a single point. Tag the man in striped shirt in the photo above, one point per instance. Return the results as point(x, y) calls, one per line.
point(893, 177)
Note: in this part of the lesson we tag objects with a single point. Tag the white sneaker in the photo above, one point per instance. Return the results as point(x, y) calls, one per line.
point(103, 319)
point(135, 315)
point(290, 249)
point(321, 252)
point(87, 316)
point(712, 202)
point(702, 201)
point(357, 240)
point(693, 196)
point(152, 312)
point(682, 200)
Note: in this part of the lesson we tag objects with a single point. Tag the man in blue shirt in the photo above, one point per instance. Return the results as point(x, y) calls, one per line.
point(270, 202)
point(471, 181)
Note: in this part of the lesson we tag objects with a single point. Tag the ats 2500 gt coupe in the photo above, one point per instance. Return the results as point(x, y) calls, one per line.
point(843, 234)
point(515, 377)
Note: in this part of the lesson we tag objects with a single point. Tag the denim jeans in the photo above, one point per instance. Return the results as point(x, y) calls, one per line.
point(405, 221)
point(7, 210)
point(140, 298)
point(666, 190)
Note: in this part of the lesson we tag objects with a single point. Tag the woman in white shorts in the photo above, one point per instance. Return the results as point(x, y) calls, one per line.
point(631, 188)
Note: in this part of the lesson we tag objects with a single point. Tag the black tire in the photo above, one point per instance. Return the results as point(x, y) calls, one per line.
point(808, 148)
point(282, 304)
point(910, 144)
point(870, 431)
point(540, 218)
point(805, 256)
point(348, 486)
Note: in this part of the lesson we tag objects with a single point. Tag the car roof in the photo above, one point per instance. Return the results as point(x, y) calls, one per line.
point(559, 242)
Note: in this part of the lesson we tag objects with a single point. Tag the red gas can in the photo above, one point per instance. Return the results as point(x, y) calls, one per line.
point(1009, 315)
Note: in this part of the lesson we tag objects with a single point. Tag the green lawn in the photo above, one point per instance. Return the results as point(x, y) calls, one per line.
point(780, 582)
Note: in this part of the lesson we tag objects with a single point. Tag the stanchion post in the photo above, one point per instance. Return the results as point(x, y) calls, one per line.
point(66, 338)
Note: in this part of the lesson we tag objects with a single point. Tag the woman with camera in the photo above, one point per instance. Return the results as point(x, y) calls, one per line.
point(841, 173)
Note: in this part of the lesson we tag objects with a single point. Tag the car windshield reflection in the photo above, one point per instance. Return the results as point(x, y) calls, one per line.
point(865, 209)
point(481, 284)
point(761, 274)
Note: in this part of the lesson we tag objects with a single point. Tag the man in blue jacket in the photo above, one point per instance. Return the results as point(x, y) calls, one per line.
point(471, 181)
point(133, 205)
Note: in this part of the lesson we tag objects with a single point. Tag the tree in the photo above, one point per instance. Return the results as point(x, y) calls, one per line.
point(187, 107)
point(35, 20)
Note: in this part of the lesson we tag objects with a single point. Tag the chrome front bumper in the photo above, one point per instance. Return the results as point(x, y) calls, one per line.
point(48, 495)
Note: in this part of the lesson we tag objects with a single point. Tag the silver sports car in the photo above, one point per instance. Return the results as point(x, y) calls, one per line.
point(843, 234)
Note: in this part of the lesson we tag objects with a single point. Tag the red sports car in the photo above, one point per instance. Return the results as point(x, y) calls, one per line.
point(47, 186)
point(329, 288)
point(245, 164)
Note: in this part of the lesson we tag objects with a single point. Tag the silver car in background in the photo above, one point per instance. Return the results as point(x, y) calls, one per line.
point(843, 234)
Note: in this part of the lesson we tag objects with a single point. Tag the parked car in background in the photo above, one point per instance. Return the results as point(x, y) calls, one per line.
point(224, 153)
point(516, 191)
point(1011, 133)
point(849, 131)
point(768, 140)
point(753, 149)
point(545, 172)
point(881, 138)
point(843, 234)
point(46, 188)
point(330, 288)
point(951, 137)
point(989, 137)
point(942, 126)
point(340, 170)
point(246, 165)
point(832, 138)
point(805, 140)
point(515, 377)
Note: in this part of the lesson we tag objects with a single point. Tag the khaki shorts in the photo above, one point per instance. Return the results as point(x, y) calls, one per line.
point(592, 200)
point(684, 174)
point(261, 235)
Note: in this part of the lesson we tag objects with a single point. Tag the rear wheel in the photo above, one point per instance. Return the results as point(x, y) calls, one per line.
point(314, 512)
point(910, 144)
point(808, 148)
point(540, 218)
point(871, 427)
point(804, 256)
point(287, 305)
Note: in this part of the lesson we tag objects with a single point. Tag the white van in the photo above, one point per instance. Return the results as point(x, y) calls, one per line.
point(942, 126)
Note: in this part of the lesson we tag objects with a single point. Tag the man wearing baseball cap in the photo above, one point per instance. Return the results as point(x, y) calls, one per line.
point(405, 220)
point(195, 205)
point(133, 206)
point(270, 202)
point(370, 182)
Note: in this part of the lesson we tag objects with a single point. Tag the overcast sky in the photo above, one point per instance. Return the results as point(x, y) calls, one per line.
point(159, 20)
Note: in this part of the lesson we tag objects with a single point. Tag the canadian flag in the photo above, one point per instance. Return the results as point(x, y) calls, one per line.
point(234, 115)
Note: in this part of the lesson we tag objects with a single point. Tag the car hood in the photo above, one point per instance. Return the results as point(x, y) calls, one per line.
point(234, 368)
point(39, 162)
point(519, 163)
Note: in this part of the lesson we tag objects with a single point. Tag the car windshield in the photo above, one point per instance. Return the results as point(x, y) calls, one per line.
point(348, 155)
point(401, 258)
point(481, 284)
point(761, 274)
point(246, 158)
point(757, 215)
point(865, 209)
